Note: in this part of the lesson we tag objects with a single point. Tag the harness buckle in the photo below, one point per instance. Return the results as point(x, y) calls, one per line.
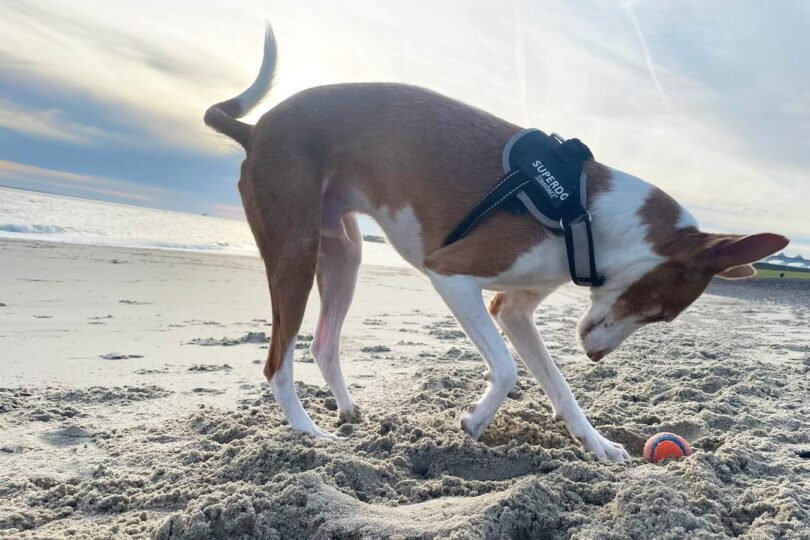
point(586, 217)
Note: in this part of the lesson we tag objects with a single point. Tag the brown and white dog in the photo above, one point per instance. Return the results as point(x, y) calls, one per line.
point(417, 162)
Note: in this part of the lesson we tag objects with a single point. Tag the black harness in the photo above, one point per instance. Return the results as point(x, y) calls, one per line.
point(544, 172)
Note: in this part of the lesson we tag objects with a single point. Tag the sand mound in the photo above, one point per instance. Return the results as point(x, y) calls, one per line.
point(250, 337)
point(406, 469)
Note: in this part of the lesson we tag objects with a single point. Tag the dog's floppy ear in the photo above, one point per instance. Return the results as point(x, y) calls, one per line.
point(725, 253)
point(738, 272)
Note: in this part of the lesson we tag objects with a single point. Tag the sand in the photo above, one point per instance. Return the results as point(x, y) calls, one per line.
point(132, 405)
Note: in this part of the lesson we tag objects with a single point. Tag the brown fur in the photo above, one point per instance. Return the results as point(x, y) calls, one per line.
point(660, 295)
point(221, 117)
point(381, 139)
point(400, 146)
point(665, 291)
point(290, 259)
point(496, 304)
point(692, 259)
point(660, 214)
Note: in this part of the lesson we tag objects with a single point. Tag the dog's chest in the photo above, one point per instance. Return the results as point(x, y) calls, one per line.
point(542, 266)
point(404, 232)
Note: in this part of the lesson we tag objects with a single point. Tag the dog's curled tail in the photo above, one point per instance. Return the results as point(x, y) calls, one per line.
point(223, 116)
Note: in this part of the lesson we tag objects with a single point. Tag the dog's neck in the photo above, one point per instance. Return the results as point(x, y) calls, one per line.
point(620, 234)
point(621, 240)
point(622, 223)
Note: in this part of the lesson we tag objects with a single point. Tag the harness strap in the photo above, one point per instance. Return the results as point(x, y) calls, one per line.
point(507, 186)
point(579, 249)
point(546, 175)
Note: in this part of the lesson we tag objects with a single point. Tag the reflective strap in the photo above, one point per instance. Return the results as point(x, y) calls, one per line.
point(579, 249)
point(507, 186)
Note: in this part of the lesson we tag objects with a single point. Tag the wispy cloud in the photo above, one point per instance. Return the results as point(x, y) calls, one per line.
point(520, 64)
point(663, 90)
point(49, 124)
point(22, 175)
point(153, 75)
point(628, 7)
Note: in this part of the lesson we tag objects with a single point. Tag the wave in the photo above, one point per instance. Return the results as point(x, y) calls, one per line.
point(32, 229)
point(56, 218)
point(29, 215)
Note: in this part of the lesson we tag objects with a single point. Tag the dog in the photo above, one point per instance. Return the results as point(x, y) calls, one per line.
point(417, 162)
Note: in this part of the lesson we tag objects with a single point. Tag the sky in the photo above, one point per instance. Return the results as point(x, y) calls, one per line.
point(709, 100)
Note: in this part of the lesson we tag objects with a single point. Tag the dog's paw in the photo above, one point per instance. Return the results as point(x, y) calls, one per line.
point(326, 436)
point(603, 448)
point(353, 416)
point(474, 427)
point(595, 443)
point(318, 433)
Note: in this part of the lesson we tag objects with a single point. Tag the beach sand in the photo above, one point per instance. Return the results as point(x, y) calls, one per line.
point(132, 403)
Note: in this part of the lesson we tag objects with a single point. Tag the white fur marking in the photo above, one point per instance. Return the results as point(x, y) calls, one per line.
point(515, 317)
point(254, 94)
point(462, 294)
point(284, 390)
point(619, 235)
point(544, 265)
point(338, 261)
point(404, 231)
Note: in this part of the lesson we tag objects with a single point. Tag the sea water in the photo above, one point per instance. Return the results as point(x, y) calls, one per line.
point(31, 215)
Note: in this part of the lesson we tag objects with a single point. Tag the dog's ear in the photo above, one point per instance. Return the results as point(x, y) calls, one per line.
point(738, 272)
point(724, 253)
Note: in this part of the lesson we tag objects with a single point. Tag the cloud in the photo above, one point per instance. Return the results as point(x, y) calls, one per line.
point(21, 175)
point(154, 75)
point(645, 50)
point(50, 124)
point(706, 99)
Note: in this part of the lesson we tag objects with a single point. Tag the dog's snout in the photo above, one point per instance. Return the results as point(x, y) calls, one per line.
point(588, 327)
point(595, 356)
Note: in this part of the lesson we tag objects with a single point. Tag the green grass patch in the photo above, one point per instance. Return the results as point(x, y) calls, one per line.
point(788, 274)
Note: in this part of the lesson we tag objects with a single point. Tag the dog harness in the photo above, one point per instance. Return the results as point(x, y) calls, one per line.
point(545, 173)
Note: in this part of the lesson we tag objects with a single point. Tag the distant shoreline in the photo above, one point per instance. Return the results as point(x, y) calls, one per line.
point(375, 239)
point(158, 249)
point(794, 292)
point(790, 292)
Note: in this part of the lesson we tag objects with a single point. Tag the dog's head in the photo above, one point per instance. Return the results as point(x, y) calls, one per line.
point(657, 284)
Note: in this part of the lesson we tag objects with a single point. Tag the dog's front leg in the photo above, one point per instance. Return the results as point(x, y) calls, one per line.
point(462, 294)
point(513, 311)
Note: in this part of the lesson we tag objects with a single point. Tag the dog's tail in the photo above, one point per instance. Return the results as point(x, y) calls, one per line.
point(223, 116)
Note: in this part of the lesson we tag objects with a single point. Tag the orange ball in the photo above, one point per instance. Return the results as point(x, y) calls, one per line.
point(663, 446)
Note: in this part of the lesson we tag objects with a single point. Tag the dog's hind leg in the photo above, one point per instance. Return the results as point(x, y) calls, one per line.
point(289, 290)
point(514, 310)
point(286, 228)
point(462, 294)
point(338, 262)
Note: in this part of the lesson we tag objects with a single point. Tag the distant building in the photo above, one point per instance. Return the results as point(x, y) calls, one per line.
point(790, 262)
point(784, 263)
point(374, 238)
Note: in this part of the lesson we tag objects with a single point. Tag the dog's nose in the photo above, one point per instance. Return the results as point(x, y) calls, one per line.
point(596, 355)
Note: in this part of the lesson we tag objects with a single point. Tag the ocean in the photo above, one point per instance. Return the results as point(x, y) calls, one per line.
point(30, 215)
